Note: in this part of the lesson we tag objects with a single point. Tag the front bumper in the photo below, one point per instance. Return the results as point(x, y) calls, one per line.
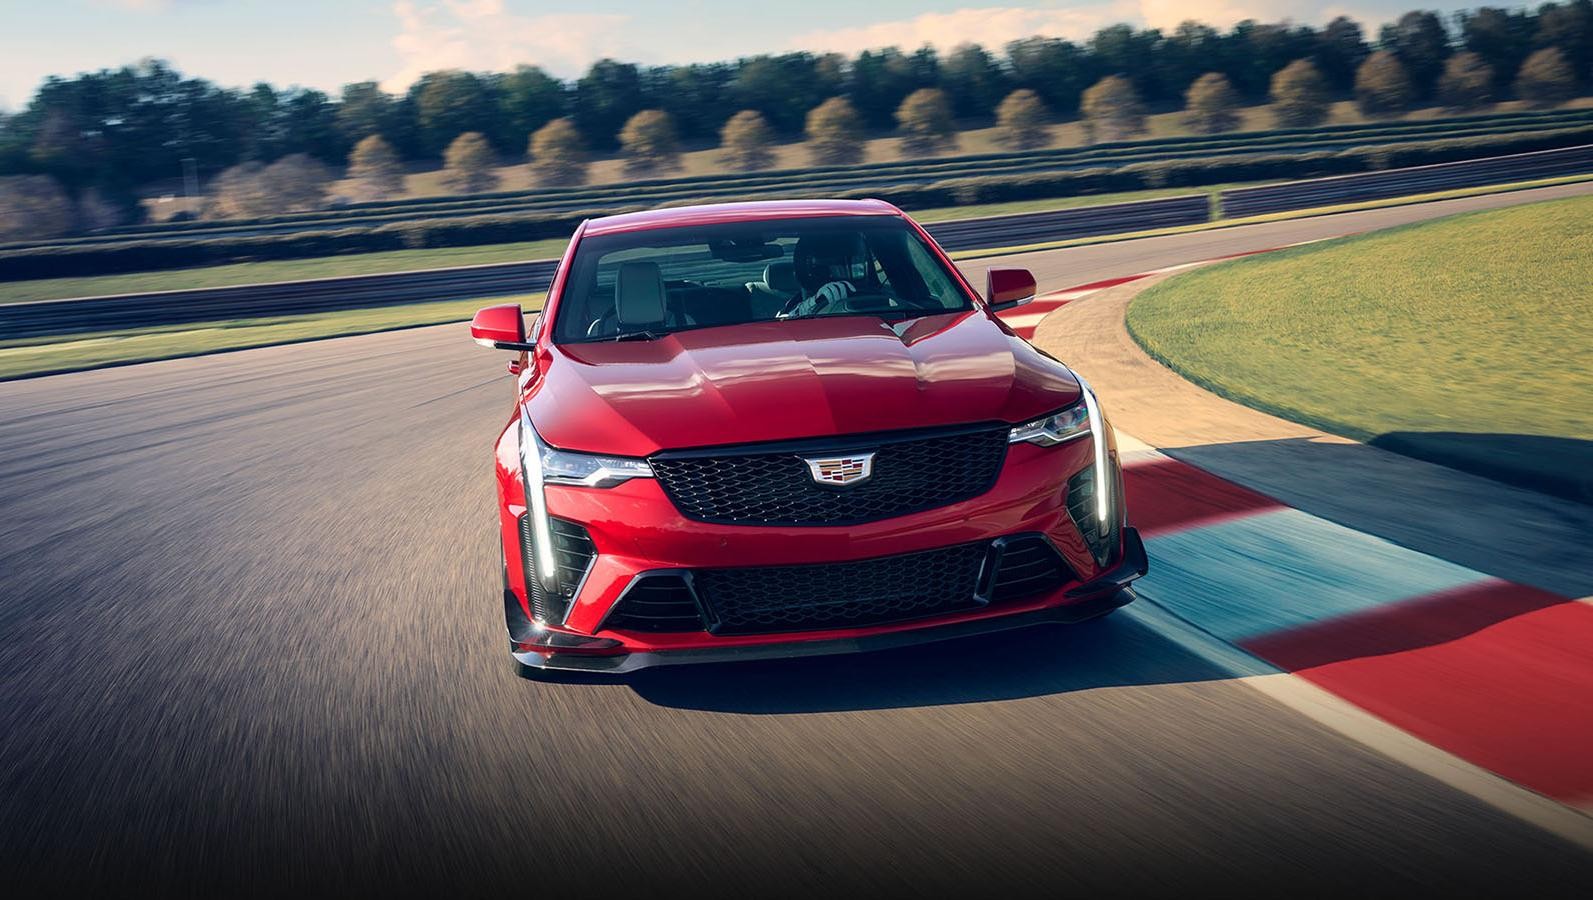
point(636, 530)
point(1097, 597)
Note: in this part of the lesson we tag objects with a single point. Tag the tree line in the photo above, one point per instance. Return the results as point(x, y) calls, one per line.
point(100, 135)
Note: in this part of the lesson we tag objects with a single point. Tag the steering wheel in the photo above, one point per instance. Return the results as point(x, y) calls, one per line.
point(789, 307)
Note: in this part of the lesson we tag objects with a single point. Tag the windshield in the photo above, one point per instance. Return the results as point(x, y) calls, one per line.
point(643, 284)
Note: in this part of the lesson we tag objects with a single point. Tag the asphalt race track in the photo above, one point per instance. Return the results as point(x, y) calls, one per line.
point(253, 645)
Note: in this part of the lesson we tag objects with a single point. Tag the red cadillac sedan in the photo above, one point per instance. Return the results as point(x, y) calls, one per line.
point(790, 428)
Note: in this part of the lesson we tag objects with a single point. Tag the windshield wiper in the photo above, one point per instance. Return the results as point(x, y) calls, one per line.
point(639, 335)
point(915, 313)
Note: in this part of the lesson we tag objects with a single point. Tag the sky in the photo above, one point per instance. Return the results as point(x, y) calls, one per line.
point(327, 43)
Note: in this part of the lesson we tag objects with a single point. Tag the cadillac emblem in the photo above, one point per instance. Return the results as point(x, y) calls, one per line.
point(841, 471)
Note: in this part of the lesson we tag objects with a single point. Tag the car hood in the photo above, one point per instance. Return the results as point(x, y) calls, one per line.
point(771, 381)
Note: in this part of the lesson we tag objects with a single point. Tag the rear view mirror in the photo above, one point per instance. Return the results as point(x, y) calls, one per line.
point(1006, 288)
point(500, 327)
point(744, 250)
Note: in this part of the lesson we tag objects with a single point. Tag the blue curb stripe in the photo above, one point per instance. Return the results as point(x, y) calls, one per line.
point(1279, 570)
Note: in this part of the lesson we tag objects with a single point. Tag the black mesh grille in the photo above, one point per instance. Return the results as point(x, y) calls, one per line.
point(1029, 565)
point(777, 488)
point(841, 595)
point(764, 599)
point(657, 603)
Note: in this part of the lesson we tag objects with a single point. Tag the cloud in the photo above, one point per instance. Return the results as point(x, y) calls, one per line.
point(994, 26)
point(1169, 14)
point(148, 6)
point(480, 35)
point(991, 26)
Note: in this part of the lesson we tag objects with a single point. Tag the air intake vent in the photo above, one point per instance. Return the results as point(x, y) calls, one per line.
point(842, 595)
point(1081, 507)
point(573, 554)
point(657, 603)
point(1028, 566)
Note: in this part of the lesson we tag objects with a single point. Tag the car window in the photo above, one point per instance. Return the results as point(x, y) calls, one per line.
point(646, 283)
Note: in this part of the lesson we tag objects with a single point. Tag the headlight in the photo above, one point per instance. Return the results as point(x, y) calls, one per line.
point(1104, 477)
point(563, 467)
point(545, 465)
point(1057, 428)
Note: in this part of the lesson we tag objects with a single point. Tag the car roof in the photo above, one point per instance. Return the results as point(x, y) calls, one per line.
point(751, 211)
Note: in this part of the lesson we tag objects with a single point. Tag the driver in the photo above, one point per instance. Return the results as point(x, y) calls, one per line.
point(829, 268)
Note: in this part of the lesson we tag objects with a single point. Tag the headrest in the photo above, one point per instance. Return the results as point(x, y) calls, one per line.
point(827, 256)
point(639, 294)
point(780, 277)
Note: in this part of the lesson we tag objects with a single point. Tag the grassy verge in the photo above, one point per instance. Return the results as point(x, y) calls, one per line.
point(1464, 340)
point(48, 356)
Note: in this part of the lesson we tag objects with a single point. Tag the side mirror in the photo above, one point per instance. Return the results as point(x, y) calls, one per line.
point(1006, 288)
point(500, 327)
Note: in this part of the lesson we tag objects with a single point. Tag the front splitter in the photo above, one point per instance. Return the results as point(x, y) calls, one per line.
point(631, 662)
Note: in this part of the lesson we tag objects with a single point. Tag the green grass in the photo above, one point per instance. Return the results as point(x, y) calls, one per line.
point(1435, 338)
point(41, 356)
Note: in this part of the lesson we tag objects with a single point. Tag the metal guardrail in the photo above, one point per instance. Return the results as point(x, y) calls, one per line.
point(1405, 182)
point(50, 317)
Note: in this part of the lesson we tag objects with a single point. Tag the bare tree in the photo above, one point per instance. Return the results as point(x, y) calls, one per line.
point(1021, 121)
point(835, 133)
point(1545, 79)
point(468, 165)
point(1467, 82)
point(240, 193)
point(1381, 86)
point(1300, 95)
point(558, 155)
point(1112, 111)
point(650, 143)
point(926, 123)
point(96, 211)
point(374, 168)
point(297, 182)
point(34, 207)
point(746, 142)
point(1211, 105)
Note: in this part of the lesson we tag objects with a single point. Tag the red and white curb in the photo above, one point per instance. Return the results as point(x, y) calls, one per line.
point(1481, 683)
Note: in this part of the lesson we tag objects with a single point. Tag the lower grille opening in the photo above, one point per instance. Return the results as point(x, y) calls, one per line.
point(1029, 566)
point(768, 599)
point(657, 603)
point(884, 590)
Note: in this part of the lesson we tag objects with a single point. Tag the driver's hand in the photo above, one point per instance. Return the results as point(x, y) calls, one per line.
point(834, 292)
point(822, 298)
